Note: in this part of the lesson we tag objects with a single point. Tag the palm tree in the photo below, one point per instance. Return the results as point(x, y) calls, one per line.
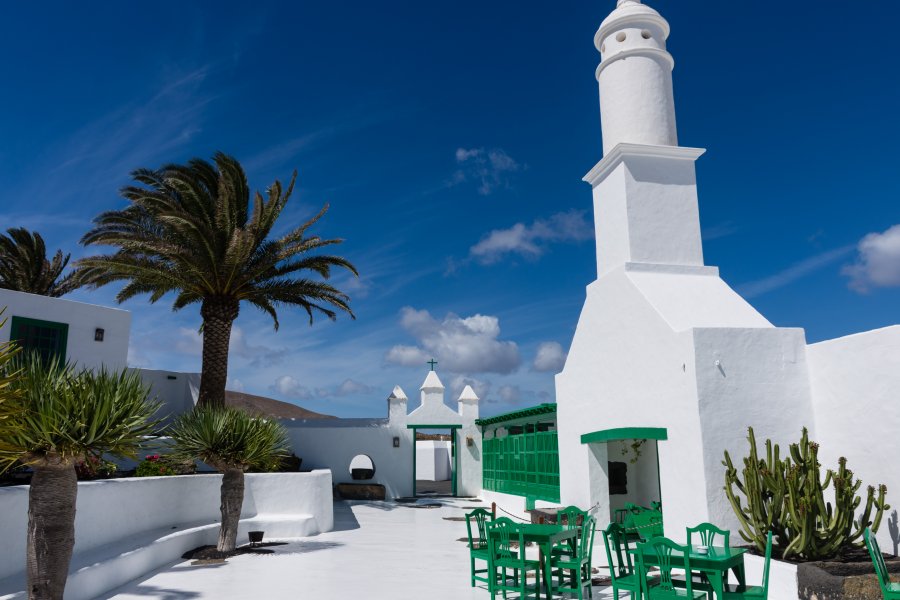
point(60, 417)
point(231, 441)
point(189, 229)
point(24, 266)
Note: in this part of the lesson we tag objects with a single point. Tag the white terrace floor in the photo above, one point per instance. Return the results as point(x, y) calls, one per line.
point(377, 551)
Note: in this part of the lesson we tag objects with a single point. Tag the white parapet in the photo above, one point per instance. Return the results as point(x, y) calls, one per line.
point(125, 528)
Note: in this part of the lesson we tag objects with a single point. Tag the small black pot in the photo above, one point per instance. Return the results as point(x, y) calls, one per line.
point(256, 537)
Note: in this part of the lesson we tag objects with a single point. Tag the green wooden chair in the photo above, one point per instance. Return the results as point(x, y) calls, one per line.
point(571, 517)
point(578, 565)
point(478, 546)
point(664, 549)
point(707, 532)
point(708, 535)
point(757, 592)
point(890, 590)
point(502, 533)
point(622, 573)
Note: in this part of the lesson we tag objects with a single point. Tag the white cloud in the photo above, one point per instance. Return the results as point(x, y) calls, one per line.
point(460, 345)
point(877, 262)
point(234, 384)
point(531, 241)
point(481, 387)
point(289, 387)
point(550, 358)
point(408, 356)
point(489, 168)
point(793, 273)
point(351, 387)
point(509, 393)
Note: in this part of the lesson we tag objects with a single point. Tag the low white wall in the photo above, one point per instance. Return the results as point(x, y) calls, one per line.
point(82, 320)
point(111, 511)
point(856, 396)
point(432, 460)
point(782, 577)
point(176, 391)
point(333, 443)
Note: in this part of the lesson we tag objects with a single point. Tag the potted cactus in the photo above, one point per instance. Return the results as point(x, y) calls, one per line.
point(790, 497)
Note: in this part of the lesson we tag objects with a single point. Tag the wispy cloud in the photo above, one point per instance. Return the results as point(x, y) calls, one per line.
point(531, 241)
point(791, 274)
point(877, 261)
point(489, 169)
point(719, 230)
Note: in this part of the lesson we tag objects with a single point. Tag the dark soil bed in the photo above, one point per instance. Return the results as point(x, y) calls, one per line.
point(210, 552)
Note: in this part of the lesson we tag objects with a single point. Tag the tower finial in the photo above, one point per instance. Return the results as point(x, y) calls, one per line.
point(621, 2)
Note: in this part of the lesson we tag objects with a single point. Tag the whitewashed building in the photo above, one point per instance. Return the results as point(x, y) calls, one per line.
point(665, 351)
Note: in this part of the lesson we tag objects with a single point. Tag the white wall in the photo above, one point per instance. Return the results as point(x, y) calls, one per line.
point(432, 460)
point(111, 511)
point(82, 320)
point(333, 443)
point(627, 368)
point(761, 380)
point(856, 394)
point(177, 391)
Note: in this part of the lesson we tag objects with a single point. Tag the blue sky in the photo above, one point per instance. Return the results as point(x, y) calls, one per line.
point(450, 140)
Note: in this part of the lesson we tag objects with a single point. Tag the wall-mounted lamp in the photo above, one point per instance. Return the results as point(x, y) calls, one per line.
point(98, 335)
point(396, 442)
point(470, 441)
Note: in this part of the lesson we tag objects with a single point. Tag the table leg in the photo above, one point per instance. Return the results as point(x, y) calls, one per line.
point(715, 578)
point(545, 560)
point(740, 574)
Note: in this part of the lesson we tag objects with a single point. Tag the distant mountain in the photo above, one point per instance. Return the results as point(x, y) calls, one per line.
point(270, 408)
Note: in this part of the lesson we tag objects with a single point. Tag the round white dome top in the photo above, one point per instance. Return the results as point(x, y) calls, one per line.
point(629, 11)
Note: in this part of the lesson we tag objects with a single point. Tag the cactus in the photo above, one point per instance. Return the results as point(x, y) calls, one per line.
point(787, 496)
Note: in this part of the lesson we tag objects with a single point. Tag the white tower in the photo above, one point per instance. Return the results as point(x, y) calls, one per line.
point(635, 77)
point(662, 342)
point(645, 196)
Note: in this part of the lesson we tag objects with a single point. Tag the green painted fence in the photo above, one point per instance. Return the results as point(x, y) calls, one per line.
point(524, 465)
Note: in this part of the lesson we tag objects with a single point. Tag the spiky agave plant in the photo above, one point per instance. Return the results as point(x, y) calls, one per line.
point(59, 416)
point(231, 441)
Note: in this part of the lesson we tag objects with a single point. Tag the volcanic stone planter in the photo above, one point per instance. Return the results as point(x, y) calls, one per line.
point(844, 580)
point(853, 580)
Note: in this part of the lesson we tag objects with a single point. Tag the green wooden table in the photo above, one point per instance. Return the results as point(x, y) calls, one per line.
point(715, 564)
point(545, 536)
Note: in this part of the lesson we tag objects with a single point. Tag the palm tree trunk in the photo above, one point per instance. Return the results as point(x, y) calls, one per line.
point(218, 315)
point(51, 529)
point(232, 501)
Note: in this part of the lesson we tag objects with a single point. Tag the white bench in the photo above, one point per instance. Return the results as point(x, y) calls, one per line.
point(126, 528)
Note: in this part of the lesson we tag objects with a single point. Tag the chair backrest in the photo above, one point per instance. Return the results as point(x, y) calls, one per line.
point(502, 533)
point(663, 550)
point(615, 539)
point(708, 533)
point(571, 517)
point(586, 541)
point(765, 581)
point(481, 517)
point(877, 559)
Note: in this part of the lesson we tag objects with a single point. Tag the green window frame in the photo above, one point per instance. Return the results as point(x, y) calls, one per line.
point(48, 338)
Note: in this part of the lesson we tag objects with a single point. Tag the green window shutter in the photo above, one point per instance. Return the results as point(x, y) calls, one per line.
point(47, 338)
